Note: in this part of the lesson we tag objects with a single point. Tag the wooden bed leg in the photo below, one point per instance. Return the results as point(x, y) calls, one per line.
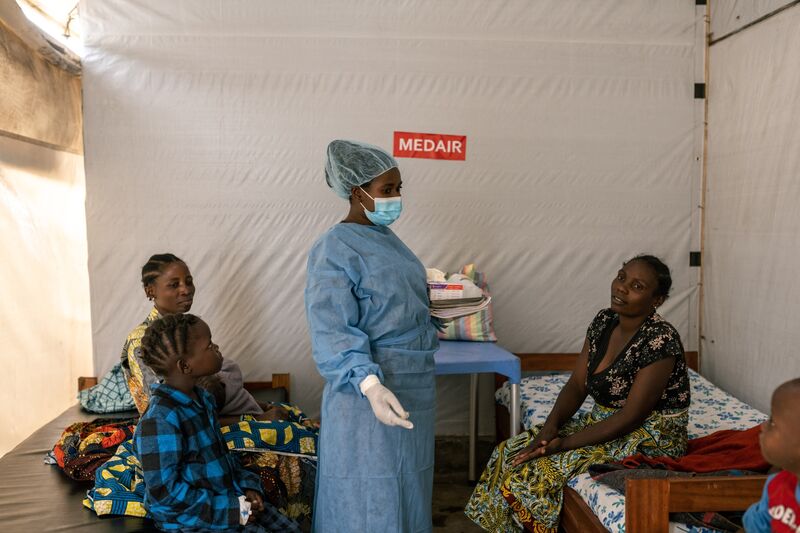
point(647, 506)
point(577, 517)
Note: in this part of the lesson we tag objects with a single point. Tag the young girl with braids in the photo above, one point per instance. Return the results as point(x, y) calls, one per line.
point(192, 482)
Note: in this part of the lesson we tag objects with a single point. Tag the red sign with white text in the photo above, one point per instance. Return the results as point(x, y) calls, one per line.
point(430, 146)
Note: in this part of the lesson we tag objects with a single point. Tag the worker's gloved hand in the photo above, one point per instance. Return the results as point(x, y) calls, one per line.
point(384, 403)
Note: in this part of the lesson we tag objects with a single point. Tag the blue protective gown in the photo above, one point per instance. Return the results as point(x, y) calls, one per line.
point(367, 310)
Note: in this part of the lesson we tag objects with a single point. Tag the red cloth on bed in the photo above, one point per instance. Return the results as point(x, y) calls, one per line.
point(723, 450)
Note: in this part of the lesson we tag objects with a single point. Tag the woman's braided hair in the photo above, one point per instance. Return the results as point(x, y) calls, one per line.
point(155, 266)
point(166, 340)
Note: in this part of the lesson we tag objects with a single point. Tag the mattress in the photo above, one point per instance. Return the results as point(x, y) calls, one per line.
point(39, 497)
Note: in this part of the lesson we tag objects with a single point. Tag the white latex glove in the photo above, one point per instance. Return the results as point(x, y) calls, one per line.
point(384, 403)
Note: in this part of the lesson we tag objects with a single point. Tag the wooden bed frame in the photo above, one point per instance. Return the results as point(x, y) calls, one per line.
point(278, 381)
point(648, 502)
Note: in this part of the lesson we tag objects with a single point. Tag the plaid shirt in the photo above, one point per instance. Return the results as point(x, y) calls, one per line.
point(191, 480)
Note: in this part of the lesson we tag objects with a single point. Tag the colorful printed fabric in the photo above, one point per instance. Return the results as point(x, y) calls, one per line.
point(85, 446)
point(111, 395)
point(298, 436)
point(287, 483)
point(656, 339)
point(477, 326)
point(712, 409)
point(118, 486)
point(530, 496)
point(138, 375)
point(287, 480)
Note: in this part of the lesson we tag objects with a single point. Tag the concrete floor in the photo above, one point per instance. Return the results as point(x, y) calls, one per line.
point(451, 489)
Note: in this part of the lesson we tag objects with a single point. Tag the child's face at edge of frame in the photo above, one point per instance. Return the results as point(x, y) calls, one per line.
point(780, 437)
point(203, 355)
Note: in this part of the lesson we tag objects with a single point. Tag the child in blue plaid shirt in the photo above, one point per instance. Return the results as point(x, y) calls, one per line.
point(192, 483)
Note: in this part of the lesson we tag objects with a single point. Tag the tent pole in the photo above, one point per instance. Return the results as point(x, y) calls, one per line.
point(703, 189)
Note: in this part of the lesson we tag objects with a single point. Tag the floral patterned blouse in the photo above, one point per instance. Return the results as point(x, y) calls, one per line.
point(655, 340)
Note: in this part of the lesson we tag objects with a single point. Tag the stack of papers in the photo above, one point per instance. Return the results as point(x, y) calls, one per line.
point(455, 297)
point(450, 309)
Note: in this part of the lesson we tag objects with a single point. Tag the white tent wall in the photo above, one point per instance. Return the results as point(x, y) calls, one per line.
point(207, 122)
point(45, 338)
point(752, 235)
point(730, 16)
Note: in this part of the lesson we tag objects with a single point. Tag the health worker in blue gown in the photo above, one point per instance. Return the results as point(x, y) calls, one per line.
point(373, 341)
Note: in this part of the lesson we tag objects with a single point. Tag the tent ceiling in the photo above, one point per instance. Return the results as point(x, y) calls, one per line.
point(59, 18)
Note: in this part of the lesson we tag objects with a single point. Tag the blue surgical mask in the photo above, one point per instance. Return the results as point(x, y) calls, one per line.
point(387, 210)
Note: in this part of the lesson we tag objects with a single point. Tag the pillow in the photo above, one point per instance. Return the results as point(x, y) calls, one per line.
point(475, 327)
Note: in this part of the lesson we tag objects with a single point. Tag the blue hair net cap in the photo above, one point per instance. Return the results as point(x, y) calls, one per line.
point(353, 163)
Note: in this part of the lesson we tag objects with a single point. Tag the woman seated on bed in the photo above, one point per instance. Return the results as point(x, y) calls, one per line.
point(169, 285)
point(632, 364)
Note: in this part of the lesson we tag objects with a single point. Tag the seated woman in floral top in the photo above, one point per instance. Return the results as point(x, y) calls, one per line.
point(632, 364)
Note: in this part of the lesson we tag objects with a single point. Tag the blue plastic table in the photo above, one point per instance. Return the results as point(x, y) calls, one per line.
point(462, 357)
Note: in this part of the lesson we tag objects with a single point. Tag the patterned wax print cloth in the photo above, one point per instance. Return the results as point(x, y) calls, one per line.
point(84, 446)
point(530, 496)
